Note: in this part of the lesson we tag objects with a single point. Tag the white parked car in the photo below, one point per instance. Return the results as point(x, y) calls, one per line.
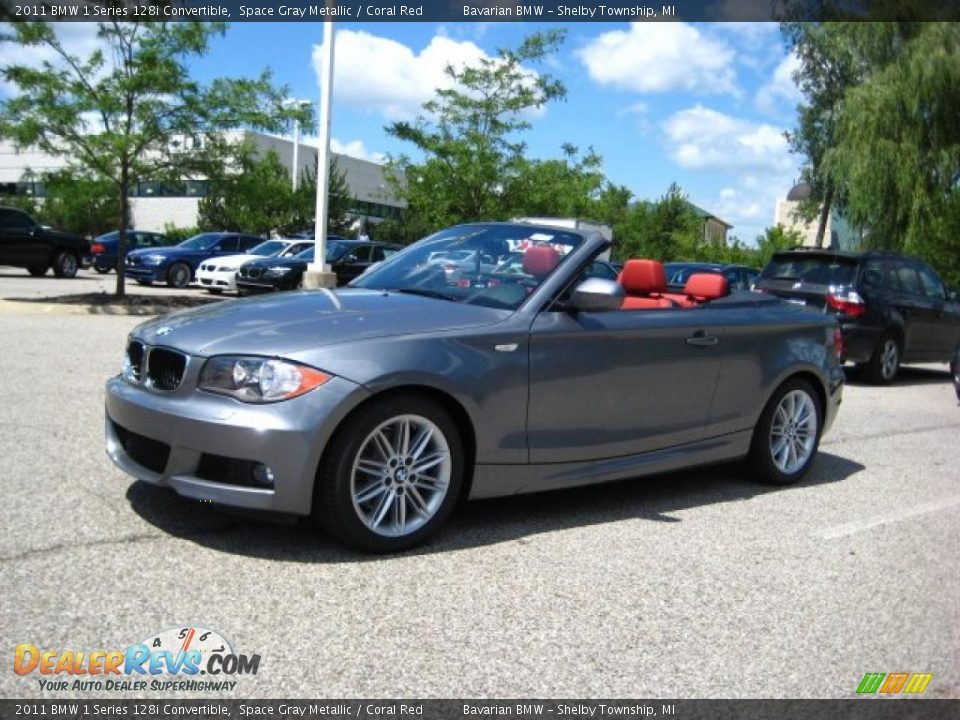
point(220, 273)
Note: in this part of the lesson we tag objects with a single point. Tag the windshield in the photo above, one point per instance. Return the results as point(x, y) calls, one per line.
point(491, 265)
point(204, 241)
point(334, 250)
point(268, 248)
point(816, 269)
point(678, 273)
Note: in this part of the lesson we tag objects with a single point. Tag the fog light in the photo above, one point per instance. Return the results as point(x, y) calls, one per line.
point(262, 475)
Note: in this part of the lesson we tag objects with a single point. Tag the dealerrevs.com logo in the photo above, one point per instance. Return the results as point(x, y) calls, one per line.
point(185, 658)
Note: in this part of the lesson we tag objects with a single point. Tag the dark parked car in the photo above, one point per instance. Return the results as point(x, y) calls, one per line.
point(739, 277)
point(105, 249)
point(26, 244)
point(378, 407)
point(892, 308)
point(177, 265)
point(955, 371)
point(347, 258)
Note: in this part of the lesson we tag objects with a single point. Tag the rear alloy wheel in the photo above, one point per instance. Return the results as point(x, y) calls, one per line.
point(65, 265)
point(391, 476)
point(37, 270)
point(884, 364)
point(178, 276)
point(787, 435)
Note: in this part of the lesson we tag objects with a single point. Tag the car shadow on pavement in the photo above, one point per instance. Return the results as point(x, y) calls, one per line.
point(906, 376)
point(479, 523)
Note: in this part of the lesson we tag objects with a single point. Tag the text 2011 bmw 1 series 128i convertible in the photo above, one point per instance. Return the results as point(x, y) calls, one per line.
point(377, 407)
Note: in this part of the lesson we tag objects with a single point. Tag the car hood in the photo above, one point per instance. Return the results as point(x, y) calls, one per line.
point(266, 262)
point(282, 324)
point(233, 261)
point(170, 251)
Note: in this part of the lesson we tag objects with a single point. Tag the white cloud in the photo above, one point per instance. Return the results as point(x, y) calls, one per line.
point(704, 139)
point(659, 57)
point(781, 90)
point(385, 76)
point(356, 149)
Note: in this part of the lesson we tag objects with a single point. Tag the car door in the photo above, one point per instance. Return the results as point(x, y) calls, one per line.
point(914, 309)
point(352, 264)
point(943, 326)
point(609, 384)
point(18, 246)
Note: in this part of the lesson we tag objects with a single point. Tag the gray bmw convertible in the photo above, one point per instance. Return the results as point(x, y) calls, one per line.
point(377, 407)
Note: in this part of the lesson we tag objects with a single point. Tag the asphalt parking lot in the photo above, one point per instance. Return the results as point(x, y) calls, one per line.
point(697, 584)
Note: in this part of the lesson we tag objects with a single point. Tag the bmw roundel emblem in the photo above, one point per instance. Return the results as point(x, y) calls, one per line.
point(165, 330)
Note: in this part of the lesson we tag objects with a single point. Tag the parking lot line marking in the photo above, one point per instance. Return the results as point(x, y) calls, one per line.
point(856, 526)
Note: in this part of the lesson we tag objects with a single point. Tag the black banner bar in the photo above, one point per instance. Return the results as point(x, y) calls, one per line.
point(475, 10)
point(854, 709)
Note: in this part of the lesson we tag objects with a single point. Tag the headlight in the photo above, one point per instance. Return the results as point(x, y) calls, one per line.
point(153, 259)
point(278, 271)
point(258, 380)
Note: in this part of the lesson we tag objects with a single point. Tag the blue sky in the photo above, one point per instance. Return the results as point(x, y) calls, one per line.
point(704, 105)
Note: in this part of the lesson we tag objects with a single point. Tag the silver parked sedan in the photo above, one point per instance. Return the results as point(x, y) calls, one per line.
point(375, 408)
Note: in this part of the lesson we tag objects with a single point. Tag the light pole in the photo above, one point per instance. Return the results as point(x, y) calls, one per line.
point(318, 273)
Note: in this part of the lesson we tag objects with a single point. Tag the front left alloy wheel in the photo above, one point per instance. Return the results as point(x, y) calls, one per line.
point(391, 475)
point(787, 436)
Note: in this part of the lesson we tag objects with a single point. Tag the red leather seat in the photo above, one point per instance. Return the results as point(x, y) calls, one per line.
point(704, 287)
point(644, 282)
point(701, 288)
point(540, 260)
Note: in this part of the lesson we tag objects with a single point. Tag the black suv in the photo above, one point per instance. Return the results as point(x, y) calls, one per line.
point(891, 308)
point(24, 243)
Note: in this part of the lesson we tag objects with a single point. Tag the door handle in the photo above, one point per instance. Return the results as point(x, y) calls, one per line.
point(701, 339)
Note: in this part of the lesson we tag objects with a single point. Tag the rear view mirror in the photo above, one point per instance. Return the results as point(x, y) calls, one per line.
point(596, 295)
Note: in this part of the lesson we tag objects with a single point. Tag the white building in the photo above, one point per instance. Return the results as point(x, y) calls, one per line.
point(154, 205)
point(838, 234)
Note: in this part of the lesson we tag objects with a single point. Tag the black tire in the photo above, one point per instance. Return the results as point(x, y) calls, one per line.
point(179, 275)
point(333, 501)
point(761, 461)
point(145, 283)
point(65, 264)
point(879, 369)
point(38, 270)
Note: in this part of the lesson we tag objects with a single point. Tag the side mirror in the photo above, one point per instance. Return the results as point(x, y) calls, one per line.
point(596, 295)
point(953, 295)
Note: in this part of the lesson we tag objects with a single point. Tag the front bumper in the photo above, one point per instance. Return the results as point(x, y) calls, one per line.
point(152, 273)
point(288, 437)
point(217, 280)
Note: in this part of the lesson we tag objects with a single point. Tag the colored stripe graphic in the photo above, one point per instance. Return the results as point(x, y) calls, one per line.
point(918, 682)
point(870, 683)
point(894, 682)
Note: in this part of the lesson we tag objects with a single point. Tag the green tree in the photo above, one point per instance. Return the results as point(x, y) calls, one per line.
point(897, 148)
point(568, 187)
point(469, 136)
point(773, 240)
point(254, 193)
point(130, 110)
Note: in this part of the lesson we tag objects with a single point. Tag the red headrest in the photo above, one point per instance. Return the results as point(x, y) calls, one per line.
point(706, 286)
point(642, 277)
point(540, 260)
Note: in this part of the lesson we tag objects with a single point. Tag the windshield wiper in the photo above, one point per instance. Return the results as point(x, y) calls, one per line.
point(424, 293)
